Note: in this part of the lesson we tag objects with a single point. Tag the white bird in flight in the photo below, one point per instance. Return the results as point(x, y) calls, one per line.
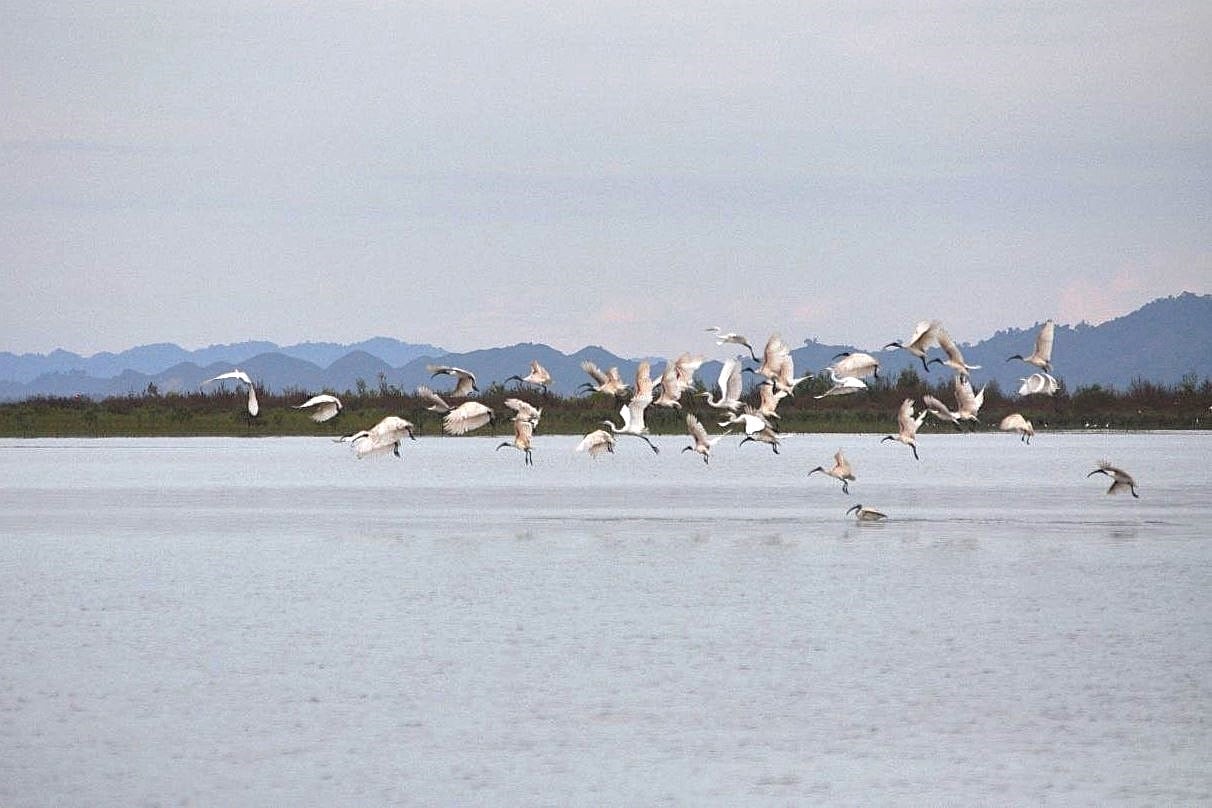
point(1120, 480)
point(955, 359)
point(671, 388)
point(609, 382)
point(644, 383)
point(436, 402)
point(768, 399)
point(1015, 422)
point(523, 431)
point(757, 428)
point(524, 411)
point(468, 416)
point(785, 378)
point(633, 421)
point(968, 404)
point(923, 336)
point(254, 407)
point(841, 471)
point(842, 385)
point(722, 337)
point(908, 424)
point(772, 357)
point(326, 406)
point(465, 383)
point(685, 366)
point(383, 436)
point(1041, 357)
point(596, 442)
point(702, 443)
point(856, 363)
point(1041, 383)
point(939, 410)
point(538, 376)
point(730, 387)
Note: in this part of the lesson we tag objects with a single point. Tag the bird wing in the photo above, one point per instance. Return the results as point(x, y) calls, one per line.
point(367, 445)
point(730, 380)
point(753, 422)
point(524, 410)
point(936, 407)
point(429, 395)
point(686, 365)
point(390, 429)
point(596, 442)
point(785, 372)
point(857, 365)
point(696, 429)
point(633, 413)
point(539, 373)
point(772, 355)
point(594, 372)
point(964, 397)
point(924, 333)
point(237, 374)
point(324, 411)
point(904, 417)
point(466, 417)
point(1012, 421)
point(770, 398)
point(466, 383)
point(948, 345)
point(1043, 342)
point(671, 386)
point(323, 398)
point(1116, 472)
point(643, 379)
point(254, 406)
point(841, 465)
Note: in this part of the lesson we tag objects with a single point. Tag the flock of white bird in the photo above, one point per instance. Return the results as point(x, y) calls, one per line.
point(756, 424)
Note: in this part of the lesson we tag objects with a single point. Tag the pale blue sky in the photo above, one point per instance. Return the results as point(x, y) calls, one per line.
point(622, 174)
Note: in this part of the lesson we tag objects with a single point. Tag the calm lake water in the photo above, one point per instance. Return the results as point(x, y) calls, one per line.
point(272, 622)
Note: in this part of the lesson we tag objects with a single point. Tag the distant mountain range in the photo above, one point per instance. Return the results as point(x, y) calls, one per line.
point(1161, 342)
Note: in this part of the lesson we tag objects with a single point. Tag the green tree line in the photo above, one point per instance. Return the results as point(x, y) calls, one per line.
point(1144, 405)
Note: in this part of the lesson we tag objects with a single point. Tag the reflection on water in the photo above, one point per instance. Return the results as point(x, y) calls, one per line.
point(269, 621)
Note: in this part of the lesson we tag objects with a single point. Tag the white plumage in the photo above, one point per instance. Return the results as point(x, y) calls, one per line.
point(703, 444)
point(326, 407)
point(1015, 422)
point(254, 406)
point(841, 471)
point(382, 437)
point(468, 416)
point(907, 426)
point(596, 442)
point(1041, 357)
